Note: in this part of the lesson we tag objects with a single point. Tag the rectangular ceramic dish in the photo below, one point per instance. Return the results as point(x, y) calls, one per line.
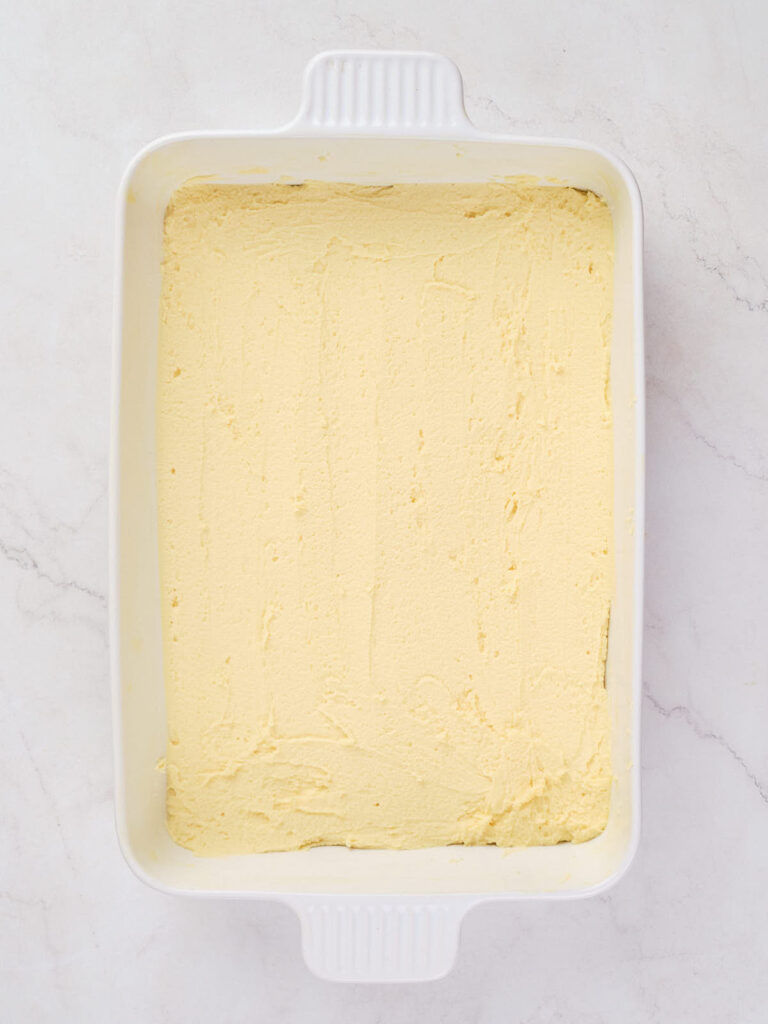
point(365, 914)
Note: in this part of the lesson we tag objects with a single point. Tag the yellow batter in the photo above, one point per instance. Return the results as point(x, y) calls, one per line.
point(385, 511)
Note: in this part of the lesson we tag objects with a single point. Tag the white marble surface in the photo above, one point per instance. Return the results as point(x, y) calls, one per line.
point(680, 91)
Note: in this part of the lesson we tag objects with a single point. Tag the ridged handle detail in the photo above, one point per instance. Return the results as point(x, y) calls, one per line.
point(382, 92)
point(356, 939)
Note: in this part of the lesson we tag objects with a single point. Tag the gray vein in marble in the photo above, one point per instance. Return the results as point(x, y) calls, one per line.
point(26, 560)
point(727, 457)
point(492, 108)
point(39, 903)
point(382, 38)
point(714, 268)
point(49, 798)
point(61, 621)
point(629, 934)
point(683, 713)
point(658, 385)
point(68, 856)
point(687, 217)
point(96, 471)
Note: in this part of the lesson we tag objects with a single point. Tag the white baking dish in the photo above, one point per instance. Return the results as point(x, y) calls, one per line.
point(365, 914)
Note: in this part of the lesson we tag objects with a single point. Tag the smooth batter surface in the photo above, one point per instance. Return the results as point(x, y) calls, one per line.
point(385, 494)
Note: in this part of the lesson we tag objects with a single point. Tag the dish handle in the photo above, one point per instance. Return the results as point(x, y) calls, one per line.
point(380, 938)
point(383, 92)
